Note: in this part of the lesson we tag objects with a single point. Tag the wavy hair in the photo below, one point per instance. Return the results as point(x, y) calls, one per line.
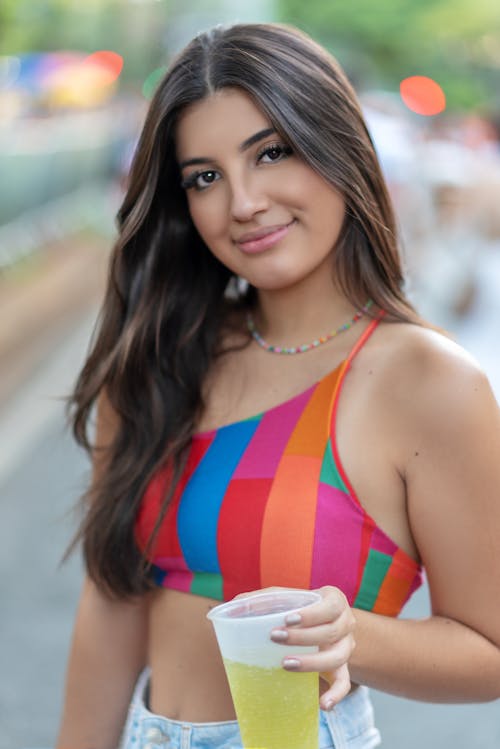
point(166, 300)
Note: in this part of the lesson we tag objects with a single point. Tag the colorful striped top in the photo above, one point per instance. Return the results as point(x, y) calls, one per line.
point(265, 501)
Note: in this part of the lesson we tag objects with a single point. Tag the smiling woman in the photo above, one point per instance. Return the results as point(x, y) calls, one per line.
point(253, 194)
point(257, 223)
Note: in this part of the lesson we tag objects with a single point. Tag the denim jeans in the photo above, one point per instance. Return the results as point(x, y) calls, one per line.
point(348, 726)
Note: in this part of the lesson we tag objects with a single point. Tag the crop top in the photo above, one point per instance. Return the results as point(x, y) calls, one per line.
point(266, 502)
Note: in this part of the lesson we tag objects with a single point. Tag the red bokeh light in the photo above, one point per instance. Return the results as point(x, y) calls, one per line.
point(108, 63)
point(422, 95)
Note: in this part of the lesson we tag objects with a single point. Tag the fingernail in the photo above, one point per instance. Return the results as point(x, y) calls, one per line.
point(329, 705)
point(279, 635)
point(291, 663)
point(293, 619)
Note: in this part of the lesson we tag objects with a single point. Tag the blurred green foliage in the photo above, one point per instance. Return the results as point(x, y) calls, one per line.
point(132, 29)
point(380, 42)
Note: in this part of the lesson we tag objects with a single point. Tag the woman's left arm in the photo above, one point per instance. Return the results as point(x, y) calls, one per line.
point(452, 476)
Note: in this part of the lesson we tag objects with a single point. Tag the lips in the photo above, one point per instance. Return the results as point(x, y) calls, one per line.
point(264, 238)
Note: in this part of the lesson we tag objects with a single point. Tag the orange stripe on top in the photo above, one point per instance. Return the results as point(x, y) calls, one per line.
point(396, 586)
point(290, 516)
point(307, 439)
point(290, 513)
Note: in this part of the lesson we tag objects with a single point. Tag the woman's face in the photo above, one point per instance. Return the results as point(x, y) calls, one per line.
point(258, 207)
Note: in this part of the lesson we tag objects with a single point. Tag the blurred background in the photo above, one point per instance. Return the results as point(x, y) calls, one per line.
point(75, 81)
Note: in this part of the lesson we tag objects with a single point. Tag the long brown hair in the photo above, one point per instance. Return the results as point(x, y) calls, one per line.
point(165, 301)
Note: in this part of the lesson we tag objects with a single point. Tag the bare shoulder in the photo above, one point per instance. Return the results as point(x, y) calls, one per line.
point(425, 362)
point(433, 385)
point(416, 345)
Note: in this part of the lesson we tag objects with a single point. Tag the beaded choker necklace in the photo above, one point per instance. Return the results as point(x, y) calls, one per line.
point(306, 346)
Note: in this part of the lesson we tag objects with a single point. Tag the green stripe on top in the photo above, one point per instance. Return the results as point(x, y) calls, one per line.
point(374, 573)
point(256, 417)
point(329, 472)
point(208, 584)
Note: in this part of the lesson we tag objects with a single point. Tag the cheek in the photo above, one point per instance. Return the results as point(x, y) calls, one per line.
point(207, 217)
point(330, 206)
point(197, 215)
point(319, 196)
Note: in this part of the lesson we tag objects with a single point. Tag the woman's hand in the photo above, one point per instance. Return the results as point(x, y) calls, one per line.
point(330, 625)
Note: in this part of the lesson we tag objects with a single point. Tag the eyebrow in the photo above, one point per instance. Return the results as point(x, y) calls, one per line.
point(243, 147)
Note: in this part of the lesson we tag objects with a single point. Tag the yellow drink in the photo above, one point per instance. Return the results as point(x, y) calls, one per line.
point(276, 709)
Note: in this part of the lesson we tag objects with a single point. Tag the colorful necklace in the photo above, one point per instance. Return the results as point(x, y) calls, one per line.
point(306, 346)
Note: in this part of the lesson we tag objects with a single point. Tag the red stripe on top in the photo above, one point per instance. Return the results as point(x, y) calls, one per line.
point(167, 539)
point(239, 532)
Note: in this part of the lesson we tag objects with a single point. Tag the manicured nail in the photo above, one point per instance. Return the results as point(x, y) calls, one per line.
point(279, 635)
point(291, 663)
point(293, 619)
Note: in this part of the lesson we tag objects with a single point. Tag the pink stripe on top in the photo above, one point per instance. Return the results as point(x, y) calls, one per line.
point(263, 454)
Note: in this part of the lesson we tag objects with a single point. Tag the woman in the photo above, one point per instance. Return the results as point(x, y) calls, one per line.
point(256, 220)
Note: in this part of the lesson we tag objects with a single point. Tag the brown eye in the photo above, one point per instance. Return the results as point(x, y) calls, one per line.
point(274, 152)
point(207, 177)
point(200, 180)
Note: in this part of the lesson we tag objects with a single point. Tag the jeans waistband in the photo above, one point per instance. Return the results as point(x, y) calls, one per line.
point(349, 725)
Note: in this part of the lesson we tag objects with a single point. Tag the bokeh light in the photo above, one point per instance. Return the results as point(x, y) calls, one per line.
point(87, 81)
point(422, 95)
point(109, 64)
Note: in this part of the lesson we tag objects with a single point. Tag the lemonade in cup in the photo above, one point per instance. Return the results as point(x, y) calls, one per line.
point(275, 708)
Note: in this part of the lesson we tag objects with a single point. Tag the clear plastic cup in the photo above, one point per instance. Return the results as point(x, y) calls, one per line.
point(276, 709)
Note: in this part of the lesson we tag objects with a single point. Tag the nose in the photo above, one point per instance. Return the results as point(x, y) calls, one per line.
point(247, 199)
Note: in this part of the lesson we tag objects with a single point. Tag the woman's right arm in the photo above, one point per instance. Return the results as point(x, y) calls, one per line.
point(108, 652)
point(109, 647)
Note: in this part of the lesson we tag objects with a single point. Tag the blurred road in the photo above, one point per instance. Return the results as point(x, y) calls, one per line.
point(41, 475)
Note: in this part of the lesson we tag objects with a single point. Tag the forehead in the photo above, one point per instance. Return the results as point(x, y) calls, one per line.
point(224, 118)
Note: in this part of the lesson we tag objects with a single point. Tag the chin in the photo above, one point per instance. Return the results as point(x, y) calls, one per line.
point(275, 278)
point(273, 284)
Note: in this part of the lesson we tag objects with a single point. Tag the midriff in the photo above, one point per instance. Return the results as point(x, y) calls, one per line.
point(188, 681)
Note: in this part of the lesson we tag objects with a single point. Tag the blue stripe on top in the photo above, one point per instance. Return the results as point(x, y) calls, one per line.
point(198, 514)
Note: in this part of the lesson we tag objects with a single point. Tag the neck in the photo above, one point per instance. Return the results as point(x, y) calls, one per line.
point(289, 316)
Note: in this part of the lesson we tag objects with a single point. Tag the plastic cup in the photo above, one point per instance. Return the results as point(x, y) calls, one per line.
point(275, 708)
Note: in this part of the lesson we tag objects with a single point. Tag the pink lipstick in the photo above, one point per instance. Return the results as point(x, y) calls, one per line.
point(263, 239)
